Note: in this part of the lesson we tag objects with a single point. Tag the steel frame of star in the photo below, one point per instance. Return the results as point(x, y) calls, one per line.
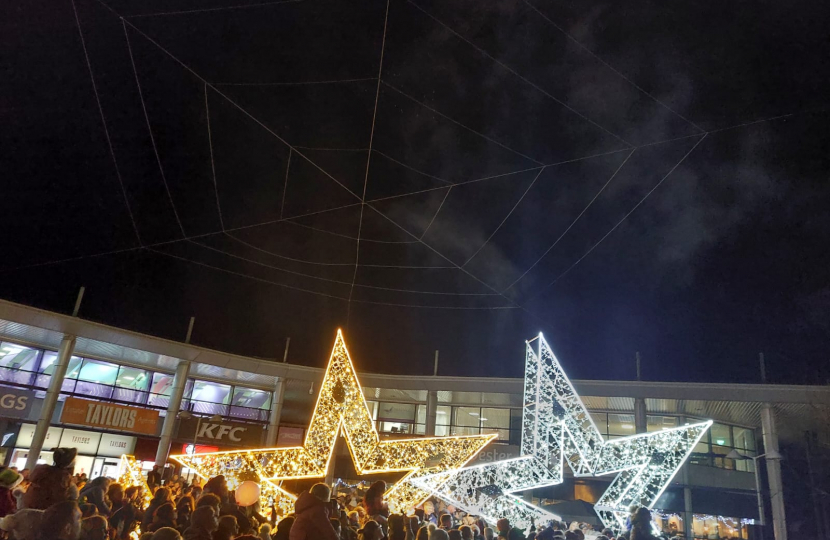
point(342, 406)
point(557, 428)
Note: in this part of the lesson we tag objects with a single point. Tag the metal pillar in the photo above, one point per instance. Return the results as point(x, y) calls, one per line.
point(640, 419)
point(432, 412)
point(179, 382)
point(276, 412)
point(773, 461)
point(50, 400)
point(688, 511)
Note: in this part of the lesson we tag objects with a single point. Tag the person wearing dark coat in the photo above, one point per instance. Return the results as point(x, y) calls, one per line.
point(165, 516)
point(95, 492)
point(124, 519)
point(312, 515)
point(161, 496)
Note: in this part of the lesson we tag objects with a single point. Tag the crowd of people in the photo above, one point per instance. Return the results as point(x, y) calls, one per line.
point(50, 503)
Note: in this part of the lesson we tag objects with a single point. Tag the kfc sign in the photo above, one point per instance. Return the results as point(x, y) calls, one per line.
point(224, 433)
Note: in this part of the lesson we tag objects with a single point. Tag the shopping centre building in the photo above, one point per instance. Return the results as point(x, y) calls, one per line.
point(118, 397)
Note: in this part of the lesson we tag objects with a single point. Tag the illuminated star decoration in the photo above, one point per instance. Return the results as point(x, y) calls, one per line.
point(130, 474)
point(557, 427)
point(341, 406)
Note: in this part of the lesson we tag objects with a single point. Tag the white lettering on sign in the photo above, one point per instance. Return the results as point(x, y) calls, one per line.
point(206, 431)
point(12, 401)
point(110, 416)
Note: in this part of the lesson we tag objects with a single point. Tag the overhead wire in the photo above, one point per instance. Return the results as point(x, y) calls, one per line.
point(205, 10)
point(368, 163)
point(517, 74)
point(318, 293)
point(296, 83)
point(510, 213)
point(626, 216)
point(340, 282)
point(577, 218)
point(364, 202)
point(609, 66)
point(150, 130)
point(435, 215)
point(413, 169)
point(456, 122)
point(212, 165)
point(227, 98)
point(106, 129)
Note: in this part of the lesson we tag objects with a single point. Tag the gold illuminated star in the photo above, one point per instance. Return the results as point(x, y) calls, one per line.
point(341, 406)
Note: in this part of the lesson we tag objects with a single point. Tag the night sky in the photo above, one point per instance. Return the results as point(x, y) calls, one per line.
point(623, 176)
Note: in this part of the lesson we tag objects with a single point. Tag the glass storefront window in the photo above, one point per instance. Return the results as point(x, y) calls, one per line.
point(396, 417)
point(210, 398)
point(620, 425)
point(18, 357)
point(466, 417)
point(658, 423)
point(721, 435)
point(162, 387)
point(601, 421)
point(136, 379)
point(249, 397)
point(744, 438)
point(47, 367)
point(131, 385)
point(98, 372)
point(442, 420)
point(17, 363)
point(496, 421)
point(96, 379)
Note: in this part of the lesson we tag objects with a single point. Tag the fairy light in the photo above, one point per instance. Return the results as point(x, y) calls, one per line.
point(341, 406)
point(557, 429)
point(130, 474)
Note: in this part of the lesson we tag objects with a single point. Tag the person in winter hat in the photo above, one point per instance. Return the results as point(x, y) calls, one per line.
point(51, 484)
point(312, 515)
point(9, 480)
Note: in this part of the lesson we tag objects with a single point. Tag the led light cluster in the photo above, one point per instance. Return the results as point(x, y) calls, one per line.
point(130, 474)
point(341, 406)
point(557, 428)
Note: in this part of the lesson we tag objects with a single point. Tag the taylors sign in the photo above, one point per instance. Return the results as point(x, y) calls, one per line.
point(84, 412)
point(226, 433)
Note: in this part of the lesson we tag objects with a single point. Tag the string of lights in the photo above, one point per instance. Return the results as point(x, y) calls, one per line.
point(341, 407)
point(557, 429)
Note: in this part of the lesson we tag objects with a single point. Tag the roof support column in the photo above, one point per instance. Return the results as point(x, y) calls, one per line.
point(640, 417)
point(432, 412)
point(179, 382)
point(276, 412)
point(688, 511)
point(50, 400)
point(773, 461)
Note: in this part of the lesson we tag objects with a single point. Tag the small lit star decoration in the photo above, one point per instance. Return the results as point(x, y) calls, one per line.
point(130, 474)
point(557, 427)
point(341, 406)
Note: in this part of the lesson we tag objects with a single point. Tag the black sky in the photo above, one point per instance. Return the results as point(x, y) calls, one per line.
point(648, 177)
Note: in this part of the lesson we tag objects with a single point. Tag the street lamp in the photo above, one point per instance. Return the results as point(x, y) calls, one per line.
point(734, 454)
